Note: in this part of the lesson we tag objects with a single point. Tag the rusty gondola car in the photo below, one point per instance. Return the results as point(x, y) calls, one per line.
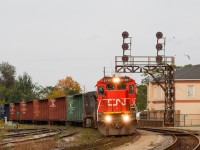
point(78, 109)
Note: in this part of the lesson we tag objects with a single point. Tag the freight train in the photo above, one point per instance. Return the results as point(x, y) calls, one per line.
point(111, 108)
point(79, 109)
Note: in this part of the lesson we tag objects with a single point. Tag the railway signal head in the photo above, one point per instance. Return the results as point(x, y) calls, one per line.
point(125, 34)
point(125, 46)
point(159, 35)
point(159, 59)
point(159, 46)
point(125, 58)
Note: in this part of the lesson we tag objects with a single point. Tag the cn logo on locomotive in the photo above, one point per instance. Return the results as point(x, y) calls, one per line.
point(115, 102)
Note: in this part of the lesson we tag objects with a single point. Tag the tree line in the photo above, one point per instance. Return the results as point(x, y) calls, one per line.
point(16, 89)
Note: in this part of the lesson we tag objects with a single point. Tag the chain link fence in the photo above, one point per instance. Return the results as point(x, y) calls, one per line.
point(179, 119)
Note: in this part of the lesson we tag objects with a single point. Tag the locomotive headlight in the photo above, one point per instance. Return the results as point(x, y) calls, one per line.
point(116, 80)
point(126, 118)
point(108, 118)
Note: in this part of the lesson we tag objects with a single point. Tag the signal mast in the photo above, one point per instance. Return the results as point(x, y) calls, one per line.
point(164, 65)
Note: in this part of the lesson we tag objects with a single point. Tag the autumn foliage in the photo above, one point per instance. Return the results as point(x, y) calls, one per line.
point(64, 87)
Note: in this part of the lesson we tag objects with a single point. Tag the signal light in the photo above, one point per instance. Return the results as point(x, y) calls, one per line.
point(125, 58)
point(159, 59)
point(159, 35)
point(159, 46)
point(125, 34)
point(125, 46)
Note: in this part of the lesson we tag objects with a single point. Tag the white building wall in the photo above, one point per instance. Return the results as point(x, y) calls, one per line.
point(186, 103)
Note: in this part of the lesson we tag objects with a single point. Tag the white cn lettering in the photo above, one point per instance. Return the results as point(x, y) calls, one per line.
point(52, 103)
point(115, 102)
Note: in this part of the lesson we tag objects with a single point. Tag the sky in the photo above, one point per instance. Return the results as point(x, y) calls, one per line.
point(53, 39)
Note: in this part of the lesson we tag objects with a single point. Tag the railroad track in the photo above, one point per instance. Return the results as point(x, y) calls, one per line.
point(33, 135)
point(27, 132)
point(181, 139)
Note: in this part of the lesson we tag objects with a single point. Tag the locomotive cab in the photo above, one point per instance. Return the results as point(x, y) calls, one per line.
point(116, 100)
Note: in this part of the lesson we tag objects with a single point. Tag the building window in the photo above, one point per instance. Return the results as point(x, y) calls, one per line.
point(159, 95)
point(190, 90)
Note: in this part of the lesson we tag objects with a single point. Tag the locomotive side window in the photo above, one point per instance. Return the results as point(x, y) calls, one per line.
point(131, 89)
point(121, 86)
point(110, 87)
point(101, 90)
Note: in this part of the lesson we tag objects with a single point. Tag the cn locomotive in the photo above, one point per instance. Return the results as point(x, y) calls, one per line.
point(111, 108)
point(116, 98)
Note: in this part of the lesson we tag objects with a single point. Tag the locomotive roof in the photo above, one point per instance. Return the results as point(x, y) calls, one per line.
point(108, 77)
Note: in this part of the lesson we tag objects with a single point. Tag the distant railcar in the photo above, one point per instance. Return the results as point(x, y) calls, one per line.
point(4, 111)
point(41, 111)
point(26, 112)
point(116, 105)
point(15, 111)
point(57, 110)
point(81, 109)
point(78, 109)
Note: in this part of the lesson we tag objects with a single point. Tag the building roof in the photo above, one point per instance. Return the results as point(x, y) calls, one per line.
point(189, 72)
point(186, 73)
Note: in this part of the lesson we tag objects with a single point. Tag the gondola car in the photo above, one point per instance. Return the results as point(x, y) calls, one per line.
point(4, 111)
point(81, 109)
point(116, 98)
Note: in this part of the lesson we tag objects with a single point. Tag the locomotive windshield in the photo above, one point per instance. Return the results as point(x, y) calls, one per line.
point(110, 86)
point(121, 86)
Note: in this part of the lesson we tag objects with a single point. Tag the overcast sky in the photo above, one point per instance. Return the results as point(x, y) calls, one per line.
point(53, 39)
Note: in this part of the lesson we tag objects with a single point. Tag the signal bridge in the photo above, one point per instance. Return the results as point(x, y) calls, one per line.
point(164, 65)
point(140, 64)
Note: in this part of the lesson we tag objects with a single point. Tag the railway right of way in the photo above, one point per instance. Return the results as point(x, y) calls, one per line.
point(179, 139)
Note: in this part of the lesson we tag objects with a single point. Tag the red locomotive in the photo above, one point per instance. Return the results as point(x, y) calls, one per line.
point(116, 105)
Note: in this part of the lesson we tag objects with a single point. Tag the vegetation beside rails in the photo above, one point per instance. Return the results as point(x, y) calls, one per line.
point(84, 139)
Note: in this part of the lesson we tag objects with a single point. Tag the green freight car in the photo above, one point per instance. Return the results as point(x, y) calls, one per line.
point(82, 109)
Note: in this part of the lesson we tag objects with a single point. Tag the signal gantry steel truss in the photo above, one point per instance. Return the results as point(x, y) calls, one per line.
point(163, 75)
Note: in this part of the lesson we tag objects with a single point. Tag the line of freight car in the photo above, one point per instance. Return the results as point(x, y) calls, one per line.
point(74, 109)
point(4, 111)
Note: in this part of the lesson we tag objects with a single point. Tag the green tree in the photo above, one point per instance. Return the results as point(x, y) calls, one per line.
point(45, 92)
point(7, 75)
point(3, 93)
point(7, 81)
point(24, 89)
point(141, 101)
